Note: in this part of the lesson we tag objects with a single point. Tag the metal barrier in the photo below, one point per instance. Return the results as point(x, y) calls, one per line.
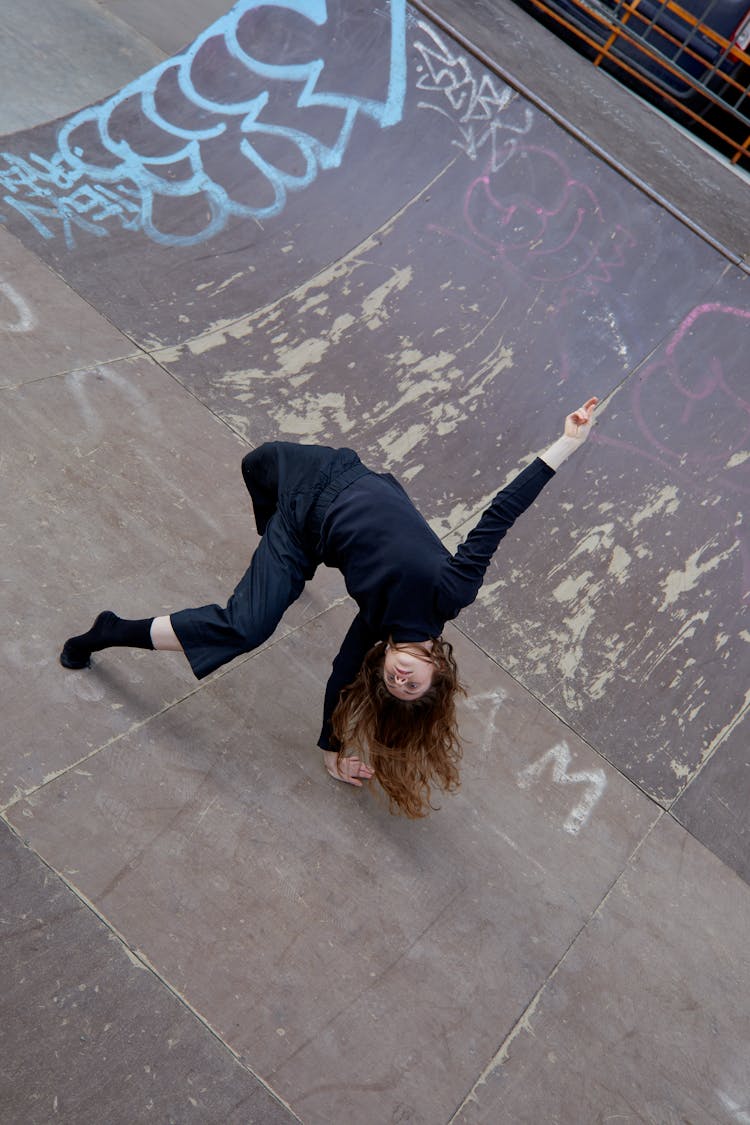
point(697, 73)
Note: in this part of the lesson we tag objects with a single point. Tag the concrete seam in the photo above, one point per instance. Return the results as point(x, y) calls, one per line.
point(522, 1023)
point(713, 746)
point(352, 254)
point(132, 31)
point(24, 794)
point(71, 370)
point(559, 718)
point(138, 958)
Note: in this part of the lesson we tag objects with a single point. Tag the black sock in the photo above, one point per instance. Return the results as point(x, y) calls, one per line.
point(108, 631)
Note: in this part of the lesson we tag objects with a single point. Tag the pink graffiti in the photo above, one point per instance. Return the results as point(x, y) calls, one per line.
point(696, 383)
point(540, 221)
point(543, 225)
point(695, 431)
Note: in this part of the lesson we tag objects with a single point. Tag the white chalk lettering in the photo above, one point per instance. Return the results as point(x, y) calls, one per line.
point(559, 758)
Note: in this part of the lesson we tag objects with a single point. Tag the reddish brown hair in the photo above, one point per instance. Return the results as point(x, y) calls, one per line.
point(412, 745)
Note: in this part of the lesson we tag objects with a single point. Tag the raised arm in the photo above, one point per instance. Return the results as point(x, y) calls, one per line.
point(463, 577)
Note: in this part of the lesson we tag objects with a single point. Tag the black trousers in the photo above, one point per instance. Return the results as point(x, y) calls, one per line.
point(291, 487)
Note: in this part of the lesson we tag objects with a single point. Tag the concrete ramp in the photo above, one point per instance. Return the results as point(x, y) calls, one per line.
point(330, 222)
point(218, 154)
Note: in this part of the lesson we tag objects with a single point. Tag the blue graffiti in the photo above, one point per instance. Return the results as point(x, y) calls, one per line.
point(159, 139)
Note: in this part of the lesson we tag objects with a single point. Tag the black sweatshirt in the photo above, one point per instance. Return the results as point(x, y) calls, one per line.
point(405, 582)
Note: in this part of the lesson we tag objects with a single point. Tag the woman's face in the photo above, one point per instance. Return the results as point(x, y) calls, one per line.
point(407, 675)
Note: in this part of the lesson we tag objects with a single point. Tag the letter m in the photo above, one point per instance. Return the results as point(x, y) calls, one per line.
point(558, 759)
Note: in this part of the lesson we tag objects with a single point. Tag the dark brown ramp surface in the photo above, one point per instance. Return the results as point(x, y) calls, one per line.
point(332, 224)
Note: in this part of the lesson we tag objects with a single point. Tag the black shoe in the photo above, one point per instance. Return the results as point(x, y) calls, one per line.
point(74, 657)
point(77, 651)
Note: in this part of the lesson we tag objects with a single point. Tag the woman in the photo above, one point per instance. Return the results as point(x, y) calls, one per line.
point(389, 709)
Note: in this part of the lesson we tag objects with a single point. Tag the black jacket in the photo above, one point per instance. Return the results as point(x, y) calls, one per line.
point(404, 580)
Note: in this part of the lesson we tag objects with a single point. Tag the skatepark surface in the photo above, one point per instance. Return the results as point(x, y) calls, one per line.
point(335, 223)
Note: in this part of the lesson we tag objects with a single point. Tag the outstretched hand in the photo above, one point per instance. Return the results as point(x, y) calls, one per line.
point(349, 770)
point(578, 424)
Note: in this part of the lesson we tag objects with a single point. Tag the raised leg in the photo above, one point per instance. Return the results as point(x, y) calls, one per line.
point(211, 635)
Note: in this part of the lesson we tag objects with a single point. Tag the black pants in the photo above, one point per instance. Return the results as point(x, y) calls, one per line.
point(291, 487)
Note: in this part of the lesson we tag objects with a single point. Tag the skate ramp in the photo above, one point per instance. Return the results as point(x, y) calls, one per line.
point(331, 223)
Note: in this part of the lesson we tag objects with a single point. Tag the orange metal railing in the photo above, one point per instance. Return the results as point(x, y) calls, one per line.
point(628, 38)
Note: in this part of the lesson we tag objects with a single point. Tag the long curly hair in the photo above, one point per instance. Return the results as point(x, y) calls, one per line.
point(412, 745)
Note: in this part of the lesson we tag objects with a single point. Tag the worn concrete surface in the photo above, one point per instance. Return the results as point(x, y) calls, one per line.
point(646, 1018)
point(714, 807)
point(179, 834)
point(110, 482)
point(435, 274)
point(57, 58)
point(88, 1033)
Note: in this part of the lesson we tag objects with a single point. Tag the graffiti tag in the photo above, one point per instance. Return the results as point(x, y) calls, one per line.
point(475, 105)
point(182, 130)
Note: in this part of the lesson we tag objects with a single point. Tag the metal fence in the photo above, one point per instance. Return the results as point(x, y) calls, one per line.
point(692, 64)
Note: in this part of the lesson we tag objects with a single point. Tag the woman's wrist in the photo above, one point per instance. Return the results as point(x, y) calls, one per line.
point(560, 450)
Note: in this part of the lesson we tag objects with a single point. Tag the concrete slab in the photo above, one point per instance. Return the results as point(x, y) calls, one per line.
point(55, 58)
point(646, 1017)
point(366, 965)
point(635, 632)
point(45, 327)
point(171, 26)
point(119, 491)
point(714, 806)
point(89, 1034)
